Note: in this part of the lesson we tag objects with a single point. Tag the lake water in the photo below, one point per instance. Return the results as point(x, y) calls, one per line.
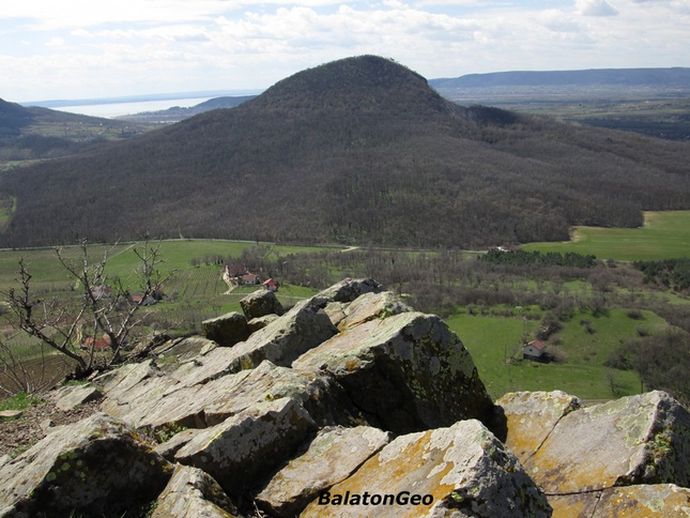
point(116, 109)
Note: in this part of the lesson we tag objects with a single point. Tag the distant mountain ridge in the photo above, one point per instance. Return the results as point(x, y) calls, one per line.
point(667, 77)
point(178, 113)
point(359, 150)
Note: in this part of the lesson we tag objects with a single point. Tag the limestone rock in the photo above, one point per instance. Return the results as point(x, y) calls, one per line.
point(162, 402)
point(4, 459)
point(260, 322)
point(347, 290)
point(92, 466)
point(632, 440)
point(120, 380)
point(406, 372)
point(260, 303)
point(191, 492)
point(10, 414)
point(464, 468)
point(246, 447)
point(531, 416)
point(331, 457)
point(71, 396)
point(169, 448)
point(370, 306)
point(226, 330)
point(180, 350)
point(286, 338)
point(646, 500)
point(650, 501)
point(335, 311)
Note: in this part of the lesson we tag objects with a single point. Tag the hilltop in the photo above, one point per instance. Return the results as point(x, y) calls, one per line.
point(359, 150)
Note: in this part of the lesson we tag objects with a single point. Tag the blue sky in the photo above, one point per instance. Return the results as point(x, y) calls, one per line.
point(91, 48)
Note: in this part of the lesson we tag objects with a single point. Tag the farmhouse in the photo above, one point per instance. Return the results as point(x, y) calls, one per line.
point(271, 284)
point(235, 276)
point(534, 350)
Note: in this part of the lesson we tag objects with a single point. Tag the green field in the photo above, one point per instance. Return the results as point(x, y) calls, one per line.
point(664, 235)
point(495, 341)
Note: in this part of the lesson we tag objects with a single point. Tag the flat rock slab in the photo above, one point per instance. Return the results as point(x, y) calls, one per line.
point(91, 467)
point(260, 303)
point(370, 306)
point(10, 414)
point(331, 457)
point(180, 350)
point(632, 440)
point(226, 330)
point(406, 372)
point(458, 471)
point(531, 416)
point(250, 445)
point(193, 493)
point(644, 501)
point(71, 396)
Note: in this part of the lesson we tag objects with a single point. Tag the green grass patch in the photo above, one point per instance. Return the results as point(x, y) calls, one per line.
point(20, 401)
point(664, 235)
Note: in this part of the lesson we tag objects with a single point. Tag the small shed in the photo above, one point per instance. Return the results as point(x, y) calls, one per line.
point(271, 284)
point(534, 350)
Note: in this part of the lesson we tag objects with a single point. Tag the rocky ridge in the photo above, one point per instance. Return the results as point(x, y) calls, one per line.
point(349, 404)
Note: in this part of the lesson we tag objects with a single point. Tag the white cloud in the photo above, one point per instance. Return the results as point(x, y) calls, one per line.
point(595, 8)
point(172, 45)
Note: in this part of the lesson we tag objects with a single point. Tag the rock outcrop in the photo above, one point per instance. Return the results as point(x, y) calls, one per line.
point(95, 467)
point(349, 404)
point(462, 470)
point(406, 372)
point(330, 458)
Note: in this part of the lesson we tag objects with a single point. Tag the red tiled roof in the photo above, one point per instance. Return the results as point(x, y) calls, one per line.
point(539, 345)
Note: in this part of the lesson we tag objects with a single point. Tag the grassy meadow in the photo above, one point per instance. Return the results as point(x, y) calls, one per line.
point(584, 343)
point(664, 235)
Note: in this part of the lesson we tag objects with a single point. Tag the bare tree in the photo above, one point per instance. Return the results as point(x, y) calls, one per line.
point(95, 327)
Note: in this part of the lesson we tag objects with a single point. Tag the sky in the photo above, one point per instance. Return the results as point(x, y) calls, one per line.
point(51, 49)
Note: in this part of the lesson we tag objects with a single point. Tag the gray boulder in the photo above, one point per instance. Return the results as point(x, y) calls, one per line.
point(406, 372)
point(193, 493)
point(250, 445)
point(633, 440)
point(226, 330)
point(458, 471)
point(330, 458)
point(94, 467)
point(260, 303)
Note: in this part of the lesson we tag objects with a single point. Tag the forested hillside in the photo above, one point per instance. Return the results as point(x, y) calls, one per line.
point(34, 132)
point(360, 150)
